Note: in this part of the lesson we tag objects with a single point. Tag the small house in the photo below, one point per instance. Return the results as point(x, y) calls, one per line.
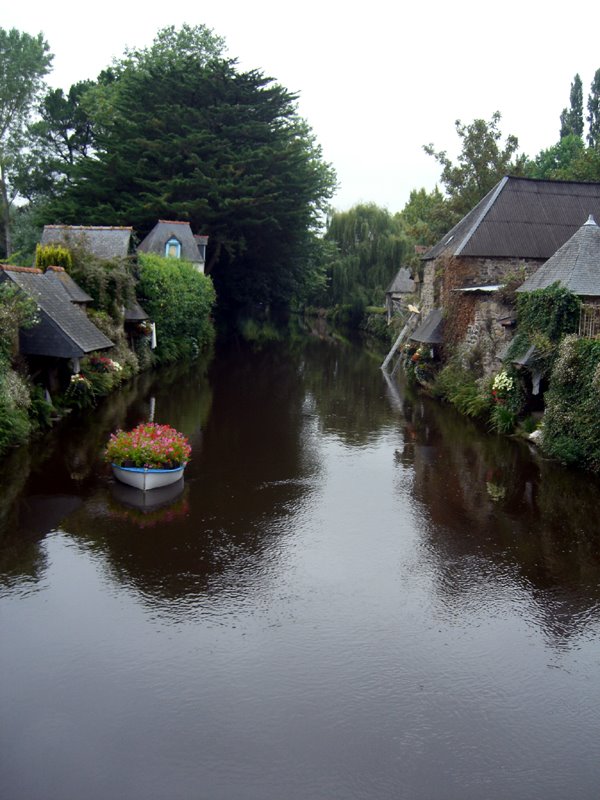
point(576, 266)
point(400, 289)
point(102, 241)
point(63, 333)
point(174, 239)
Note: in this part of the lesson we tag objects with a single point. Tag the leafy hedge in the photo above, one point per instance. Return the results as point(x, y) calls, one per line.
point(572, 418)
point(180, 300)
point(544, 318)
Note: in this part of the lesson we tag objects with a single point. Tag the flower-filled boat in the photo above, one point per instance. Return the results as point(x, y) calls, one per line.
point(149, 456)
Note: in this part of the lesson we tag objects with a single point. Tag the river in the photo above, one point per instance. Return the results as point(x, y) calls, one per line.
point(357, 595)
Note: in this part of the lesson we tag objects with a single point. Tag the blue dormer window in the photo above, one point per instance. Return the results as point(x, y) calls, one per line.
point(173, 248)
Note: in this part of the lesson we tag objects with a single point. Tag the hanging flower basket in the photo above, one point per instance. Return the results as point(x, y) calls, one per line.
point(149, 456)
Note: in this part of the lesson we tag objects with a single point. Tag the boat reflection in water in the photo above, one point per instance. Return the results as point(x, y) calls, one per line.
point(148, 508)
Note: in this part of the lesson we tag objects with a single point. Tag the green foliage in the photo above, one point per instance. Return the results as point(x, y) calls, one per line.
point(571, 428)
point(374, 323)
point(370, 246)
point(17, 310)
point(457, 386)
point(593, 117)
point(180, 133)
point(53, 255)
point(121, 352)
point(503, 419)
point(482, 162)
point(568, 159)
point(544, 317)
point(571, 119)
point(259, 332)
point(24, 61)
point(180, 300)
point(61, 135)
point(427, 216)
point(150, 446)
point(80, 393)
point(110, 283)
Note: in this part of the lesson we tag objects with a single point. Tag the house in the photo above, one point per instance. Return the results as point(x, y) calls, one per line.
point(102, 241)
point(576, 266)
point(509, 234)
point(174, 239)
point(62, 334)
point(400, 289)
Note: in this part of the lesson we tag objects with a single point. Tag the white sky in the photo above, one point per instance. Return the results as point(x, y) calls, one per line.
point(377, 80)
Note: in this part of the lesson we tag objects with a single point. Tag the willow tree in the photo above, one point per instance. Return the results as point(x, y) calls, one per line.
point(370, 247)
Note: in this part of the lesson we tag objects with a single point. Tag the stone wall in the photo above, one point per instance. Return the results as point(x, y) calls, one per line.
point(486, 338)
point(478, 332)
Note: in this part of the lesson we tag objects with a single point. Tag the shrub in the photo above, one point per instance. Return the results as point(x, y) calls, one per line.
point(180, 300)
point(457, 386)
point(15, 400)
point(80, 393)
point(53, 255)
point(572, 421)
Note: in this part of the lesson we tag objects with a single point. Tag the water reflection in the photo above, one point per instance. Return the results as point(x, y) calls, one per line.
point(496, 511)
point(355, 593)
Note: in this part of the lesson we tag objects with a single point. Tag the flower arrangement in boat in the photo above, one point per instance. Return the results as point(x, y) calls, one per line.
point(149, 446)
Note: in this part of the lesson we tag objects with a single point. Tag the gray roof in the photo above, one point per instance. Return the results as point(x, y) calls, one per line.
point(101, 241)
point(402, 283)
point(58, 275)
point(576, 265)
point(135, 313)
point(521, 218)
point(169, 229)
point(431, 330)
point(64, 330)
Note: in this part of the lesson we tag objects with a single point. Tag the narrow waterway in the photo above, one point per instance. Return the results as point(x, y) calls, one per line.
point(356, 595)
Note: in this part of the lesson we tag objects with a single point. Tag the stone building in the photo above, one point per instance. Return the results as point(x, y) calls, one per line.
point(509, 234)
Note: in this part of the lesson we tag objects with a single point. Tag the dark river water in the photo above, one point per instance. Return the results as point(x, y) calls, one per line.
point(357, 594)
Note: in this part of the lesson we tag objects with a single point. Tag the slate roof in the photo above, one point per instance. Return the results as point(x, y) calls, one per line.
point(576, 265)
point(521, 218)
point(64, 330)
point(101, 241)
point(164, 230)
point(402, 283)
point(430, 331)
point(135, 313)
point(58, 275)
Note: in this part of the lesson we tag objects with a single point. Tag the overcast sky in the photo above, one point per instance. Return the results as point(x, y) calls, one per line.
point(376, 80)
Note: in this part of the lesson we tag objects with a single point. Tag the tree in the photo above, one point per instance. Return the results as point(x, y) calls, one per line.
point(370, 248)
point(559, 161)
point(181, 133)
point(482, 162)
point(58, 139)
point(24, 61)
point(571, 119)
point(593, 117)
point(426, 216)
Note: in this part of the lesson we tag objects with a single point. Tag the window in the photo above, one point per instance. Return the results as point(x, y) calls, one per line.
point(173, 248)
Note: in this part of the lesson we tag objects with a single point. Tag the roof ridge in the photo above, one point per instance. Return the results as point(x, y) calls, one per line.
point(495, 193)
point(174, 221)
point(14, 268)
point(90, 227)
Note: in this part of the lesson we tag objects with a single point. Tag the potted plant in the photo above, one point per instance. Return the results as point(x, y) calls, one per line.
point(148, 456)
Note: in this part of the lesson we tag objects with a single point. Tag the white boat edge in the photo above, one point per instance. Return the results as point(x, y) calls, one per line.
point(146, 479)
